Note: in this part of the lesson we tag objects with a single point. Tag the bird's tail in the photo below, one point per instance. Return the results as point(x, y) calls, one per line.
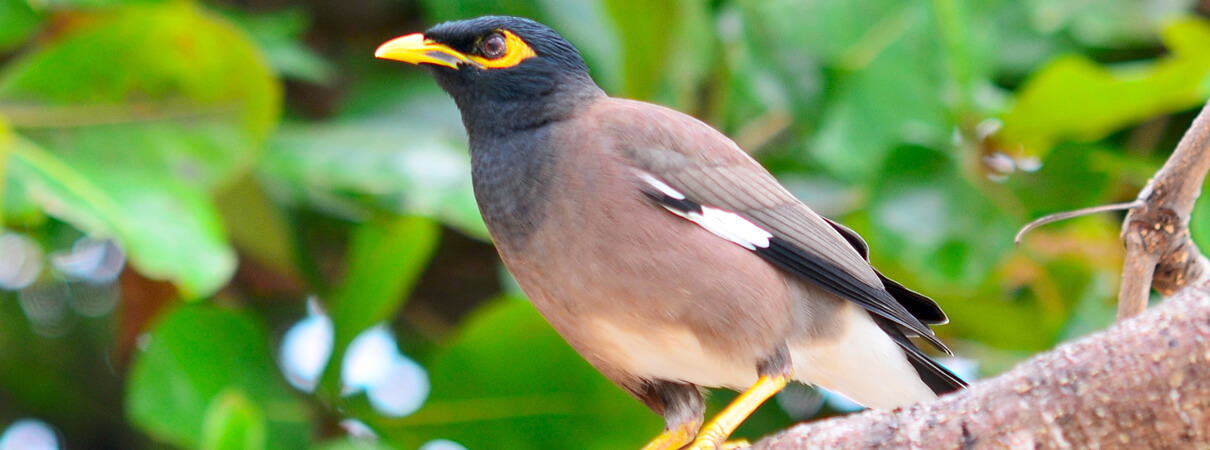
point(867, 363)
point(932, 373)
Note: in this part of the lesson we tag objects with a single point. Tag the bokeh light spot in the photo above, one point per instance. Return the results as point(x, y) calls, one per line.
point(20, 261)
point(442, 444)
point(29, 434)
point(307, 347)
point(395, 385)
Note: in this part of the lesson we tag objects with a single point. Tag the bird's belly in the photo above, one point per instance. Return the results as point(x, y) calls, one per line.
point(654, 296)
point(672, 353)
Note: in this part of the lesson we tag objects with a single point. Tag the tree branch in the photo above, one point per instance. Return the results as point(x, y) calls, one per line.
point(1159, 250)
point(1143, 382)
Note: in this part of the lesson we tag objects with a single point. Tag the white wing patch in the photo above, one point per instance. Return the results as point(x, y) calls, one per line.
point(722, 223)
point(732, 227)
point(661, 186)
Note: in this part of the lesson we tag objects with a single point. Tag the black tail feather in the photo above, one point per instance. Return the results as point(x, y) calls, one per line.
point(924, 309)
point(933, 374)
point(919, 305)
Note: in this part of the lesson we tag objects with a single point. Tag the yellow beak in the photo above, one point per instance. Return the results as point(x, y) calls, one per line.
point(415, 49)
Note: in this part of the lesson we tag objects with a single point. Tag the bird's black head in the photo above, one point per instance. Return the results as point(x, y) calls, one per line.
point(504, 72)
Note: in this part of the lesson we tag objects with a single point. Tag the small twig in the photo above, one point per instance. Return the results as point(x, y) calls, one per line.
point(1135, 290)
point(1159, 250)
point(1056, 217)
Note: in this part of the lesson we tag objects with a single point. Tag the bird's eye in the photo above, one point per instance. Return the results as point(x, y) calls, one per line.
point(494, 46)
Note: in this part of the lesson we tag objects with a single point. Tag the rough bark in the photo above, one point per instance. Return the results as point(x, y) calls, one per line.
point(1159, 251)
point(1143, 383)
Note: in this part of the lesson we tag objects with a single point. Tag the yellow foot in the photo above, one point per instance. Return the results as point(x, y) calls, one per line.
point(674, 439)
point(714, 435)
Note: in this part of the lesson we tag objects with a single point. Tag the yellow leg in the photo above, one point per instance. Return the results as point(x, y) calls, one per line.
point(715, 433)
point(674, 439)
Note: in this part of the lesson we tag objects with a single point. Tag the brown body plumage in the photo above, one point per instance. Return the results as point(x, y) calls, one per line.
point(664, 254)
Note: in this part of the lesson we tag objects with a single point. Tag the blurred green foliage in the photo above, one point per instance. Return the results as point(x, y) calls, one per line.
point(243, 156)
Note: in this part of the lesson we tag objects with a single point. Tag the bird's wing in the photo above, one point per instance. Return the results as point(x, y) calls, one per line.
point(918, 304)
point(697, 173)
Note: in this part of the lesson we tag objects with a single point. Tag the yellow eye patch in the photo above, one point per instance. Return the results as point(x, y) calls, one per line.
point(515, 51)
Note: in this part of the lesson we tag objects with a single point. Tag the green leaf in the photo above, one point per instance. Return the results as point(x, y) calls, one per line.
point(1073, 177)
point(16, 206)
point(233, 422)
point(1106, 23)
point(1075, 98)
point(165, 88)
point(169, 228)
point(386, 258)
point(142, 111)
point(1199, 225)
point(179, 388)
point(926, 216)
point(1094, 308)
point(353, 444)
point(1006, 42)
point(884, 88)
point(644, 28)
point(442, 11)
point(1205, 87)
point(42, 373)
point(830, 31)
point(691, 56)
point(935, 231)
point(18, 22)
point(1044, 289)
point(279, 36)
point(7, 144)
point(508, 381)
point(890, 95)
point(92, 4)
point(257, 226)
point(412, 160)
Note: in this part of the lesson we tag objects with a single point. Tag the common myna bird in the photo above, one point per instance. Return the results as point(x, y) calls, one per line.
point(670, 259)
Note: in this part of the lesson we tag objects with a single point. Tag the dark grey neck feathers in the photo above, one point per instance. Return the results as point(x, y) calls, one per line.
point(509, 114)
point(511, 176)
point(511, 148)
point(505, 104)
